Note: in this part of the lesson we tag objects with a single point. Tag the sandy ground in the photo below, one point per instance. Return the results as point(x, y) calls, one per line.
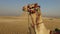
point(19, 24)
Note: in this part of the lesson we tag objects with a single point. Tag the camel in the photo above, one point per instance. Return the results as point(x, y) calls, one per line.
point(36, 17)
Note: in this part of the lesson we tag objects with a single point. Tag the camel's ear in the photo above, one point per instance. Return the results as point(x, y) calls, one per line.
point(23, 9)
point(35, 3)
point(39, 6)
point(28, 6)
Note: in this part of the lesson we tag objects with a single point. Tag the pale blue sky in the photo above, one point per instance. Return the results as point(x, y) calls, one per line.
point(14, 7)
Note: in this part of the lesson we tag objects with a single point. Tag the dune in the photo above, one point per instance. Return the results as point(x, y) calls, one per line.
point(19, 24)
point(13, 25)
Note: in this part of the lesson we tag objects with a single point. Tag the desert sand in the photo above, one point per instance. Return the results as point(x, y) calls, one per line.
point(19, 24)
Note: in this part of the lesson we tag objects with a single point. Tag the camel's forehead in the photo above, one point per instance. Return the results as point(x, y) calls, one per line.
point(31, 5)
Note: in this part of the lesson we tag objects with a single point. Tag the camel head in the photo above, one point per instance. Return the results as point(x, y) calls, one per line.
point(30, 7)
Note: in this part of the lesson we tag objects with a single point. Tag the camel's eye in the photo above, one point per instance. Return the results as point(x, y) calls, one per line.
point(32, 7)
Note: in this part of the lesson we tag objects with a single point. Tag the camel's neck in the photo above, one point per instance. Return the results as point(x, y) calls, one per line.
point(36, 17)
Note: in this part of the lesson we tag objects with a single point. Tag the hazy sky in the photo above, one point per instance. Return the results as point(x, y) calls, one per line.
point(14, 7)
